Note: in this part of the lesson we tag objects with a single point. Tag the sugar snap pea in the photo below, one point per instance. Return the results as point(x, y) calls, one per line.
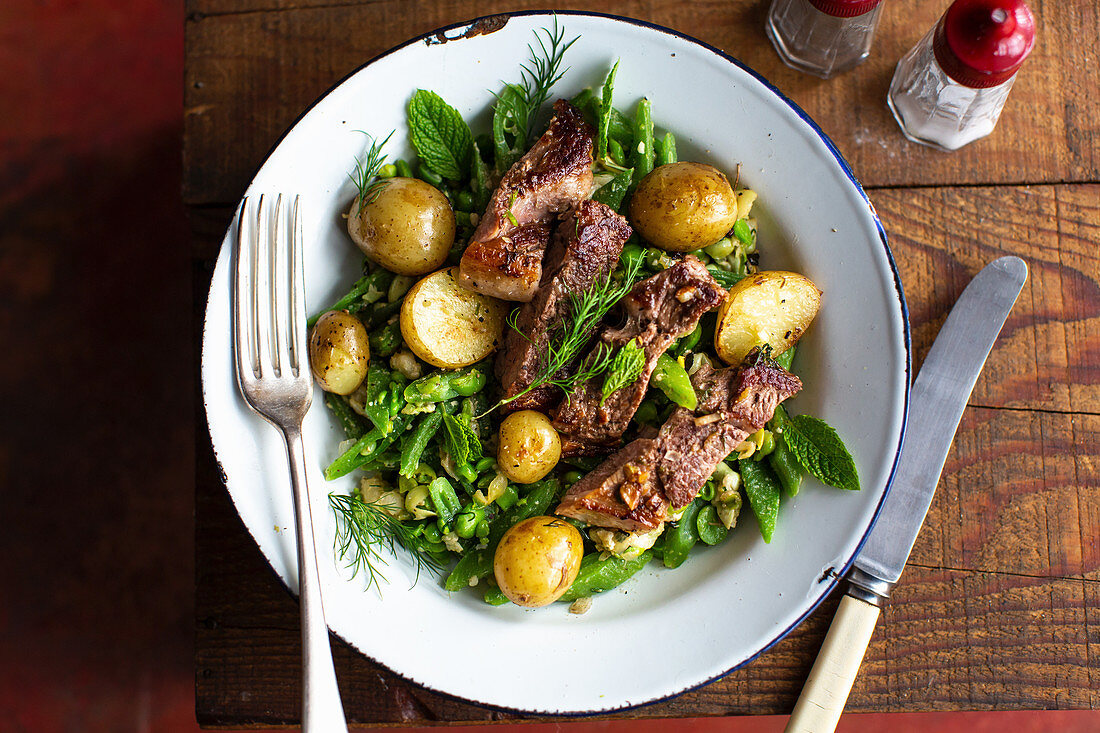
point(447, 385)
point(786, 467)
point(444, 499)
point(377, 406)
point(672, 379)
point(413, 445)
point(680, 539)
point(597, 576)
point(763, 492)
point(365, 450)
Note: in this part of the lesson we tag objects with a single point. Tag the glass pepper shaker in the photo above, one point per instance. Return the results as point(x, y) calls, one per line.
point(823, 37)
point(950, 88)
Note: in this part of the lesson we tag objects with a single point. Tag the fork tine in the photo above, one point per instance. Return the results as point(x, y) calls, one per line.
point(243, 323)
point(262, 282)
point(297, 333)
point(276, 285)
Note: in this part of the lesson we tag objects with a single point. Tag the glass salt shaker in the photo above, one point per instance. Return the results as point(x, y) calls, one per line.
point(950, 88)
point(823, 37)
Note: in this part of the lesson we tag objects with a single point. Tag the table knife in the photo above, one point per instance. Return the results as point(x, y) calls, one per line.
point(936, 405)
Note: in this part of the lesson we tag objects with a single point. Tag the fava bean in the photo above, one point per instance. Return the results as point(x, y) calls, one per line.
point(672, 379)
point(709, 526)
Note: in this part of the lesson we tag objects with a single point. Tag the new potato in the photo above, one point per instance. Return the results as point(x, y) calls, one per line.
point(537, 560)
point(408, 227)
point(339, 352)
point(529, 446)
point(770, 307)
point(682, 207)
point(448, 326)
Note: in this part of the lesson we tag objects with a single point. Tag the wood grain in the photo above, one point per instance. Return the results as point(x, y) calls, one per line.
point(252, 66)
point(998, 608)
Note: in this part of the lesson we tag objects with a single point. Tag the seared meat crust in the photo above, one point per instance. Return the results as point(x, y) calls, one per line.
point(504, 257)
point(584, 250)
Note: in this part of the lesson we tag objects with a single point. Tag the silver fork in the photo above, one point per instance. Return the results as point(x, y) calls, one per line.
point(269, 339)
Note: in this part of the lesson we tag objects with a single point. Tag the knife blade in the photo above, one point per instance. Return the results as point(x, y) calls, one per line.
point(936, 404)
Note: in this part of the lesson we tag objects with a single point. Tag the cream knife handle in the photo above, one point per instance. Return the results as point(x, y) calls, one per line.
point(822, 700)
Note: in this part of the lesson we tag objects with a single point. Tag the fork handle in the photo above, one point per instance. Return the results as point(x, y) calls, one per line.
point(321, 707)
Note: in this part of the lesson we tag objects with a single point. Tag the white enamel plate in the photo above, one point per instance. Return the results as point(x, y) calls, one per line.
point(665, 631)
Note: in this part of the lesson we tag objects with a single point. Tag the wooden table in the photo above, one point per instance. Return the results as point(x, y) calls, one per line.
point(1000, 605)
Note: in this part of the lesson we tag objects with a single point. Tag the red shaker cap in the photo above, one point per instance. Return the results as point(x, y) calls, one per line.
point(982, 43)
point(845, 8)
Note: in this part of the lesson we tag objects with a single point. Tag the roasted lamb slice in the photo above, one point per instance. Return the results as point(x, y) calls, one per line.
point(585, 248)
point(658, 310)
point(622, 493)
point(553, 176)
point(666, 472)
point(734, 403)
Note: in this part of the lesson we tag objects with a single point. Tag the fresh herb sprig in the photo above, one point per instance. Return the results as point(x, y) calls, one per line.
point(517, 107)
point(364, 529)
point(365, 175)
point(587, 310)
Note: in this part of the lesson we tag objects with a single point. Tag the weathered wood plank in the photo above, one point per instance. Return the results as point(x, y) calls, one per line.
point(249, 75)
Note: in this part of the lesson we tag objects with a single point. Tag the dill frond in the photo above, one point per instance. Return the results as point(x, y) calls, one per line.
point(364, 530)
point(366, 171)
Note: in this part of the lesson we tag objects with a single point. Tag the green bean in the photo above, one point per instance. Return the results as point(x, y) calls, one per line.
point(444, 499)
point(349, 420)
point(403, 168)
point(615, 151)
point(709, 526)
point(680, 539)
point(666, 149)
point(366, 449)
point(484, 464)
point(786, 358)
point(494, 596)
point(597, 576)
point(689, 342)
point(386, 340)
point(642, 153)
point(413, 445)
point(368, 289)
point(767, 445)
point(763, 491)
point(612, 193)
point(377, 406)
point(725, 278)
point(721, 249)
point(672, 379)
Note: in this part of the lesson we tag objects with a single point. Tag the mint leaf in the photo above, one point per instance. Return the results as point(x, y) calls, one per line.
point(441, 137)
point(821, 452)
point(605, 111)
point(763, 492)
point(611, 194)
point(472, 442)
point(624, 369)
point(457, 444)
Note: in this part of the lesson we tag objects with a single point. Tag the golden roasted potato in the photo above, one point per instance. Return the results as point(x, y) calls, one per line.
point(682, 207)
point(339, 352)
point(448, 326)
point(771, 307)
point(408, 228)
point(529, 446)
point(537, 560)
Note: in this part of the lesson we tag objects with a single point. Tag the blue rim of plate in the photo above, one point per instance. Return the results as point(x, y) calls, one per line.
point(832, 578)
